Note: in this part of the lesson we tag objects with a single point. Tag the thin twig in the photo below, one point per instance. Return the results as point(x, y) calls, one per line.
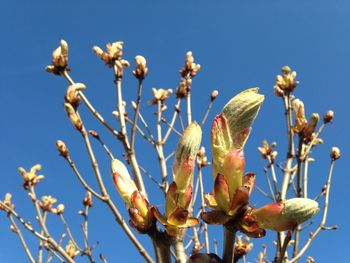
point(44, 227)
point(139, 130)
point(130, 153)
point(64, 222)
point(269, 184)
point(94, 112)
point(263, 192)
point(173, 128)
point(207, 113)
point(324, 217)
point(137, 111)
point(151, 177)
point(159, 147)
point(21, 238)
point(146, 126)
point(176, 109)
point(81, 179)
point(203, 205)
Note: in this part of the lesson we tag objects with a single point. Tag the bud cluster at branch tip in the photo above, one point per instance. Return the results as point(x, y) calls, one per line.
point(31, 178)
point(285, 83)
point(267, 151)
point(113, 57)
point(141, 69)
point(7, 202)
point(59, 59)
point(160, 95)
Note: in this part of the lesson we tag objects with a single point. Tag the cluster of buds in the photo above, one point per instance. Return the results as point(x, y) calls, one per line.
point(202, 159)
point(113, 56)
point(141, 69)
point(7, 202)
point(62, 148)
point(160, 95)
point(229, 133)
point(31, 178)
point(183, 88)
point(179, 195)
point(187, 72)
point(267, 151)
point(190, 68)
point(242, 247)
point(141, 217)
point(73, 116)
point(204, 258)
point(59, 59)
point(303, 127)
point(72, 94)
point(46, 203)
point(71, 249)
point(285, 83)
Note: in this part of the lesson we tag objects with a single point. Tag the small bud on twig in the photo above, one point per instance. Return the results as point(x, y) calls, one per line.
point(328, 117)
point(335, 153)
point(62, 148)
point(141, 70)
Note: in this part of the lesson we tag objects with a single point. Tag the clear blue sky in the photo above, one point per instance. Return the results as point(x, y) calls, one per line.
point(239, 45)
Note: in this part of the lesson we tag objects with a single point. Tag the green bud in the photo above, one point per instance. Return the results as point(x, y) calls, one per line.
point(240, 113)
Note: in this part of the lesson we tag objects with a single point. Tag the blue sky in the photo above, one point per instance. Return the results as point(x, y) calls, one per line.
point(239, 45)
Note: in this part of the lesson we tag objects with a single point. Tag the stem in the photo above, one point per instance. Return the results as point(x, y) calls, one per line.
point(159, 147)
point(205, 226)
point(180, 249)
point(189, 111)
point(207, 112)
point(21, 238)
point(69, 232)
point(94, 112)
point(289, 162)
point(167, 134)
point(306, 168)
point(229, 239)
point(137, 111)
point(40, 254)
point(299, 191)
point(81, 179)
point(290, 154)
point(44, 228)
point(324, 218)
point(273, 175)
point(130, 153)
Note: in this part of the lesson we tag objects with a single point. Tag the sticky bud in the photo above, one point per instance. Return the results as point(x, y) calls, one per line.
point(122, 180)
point(286, 215)
point(185, 155)
point(241, 112)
